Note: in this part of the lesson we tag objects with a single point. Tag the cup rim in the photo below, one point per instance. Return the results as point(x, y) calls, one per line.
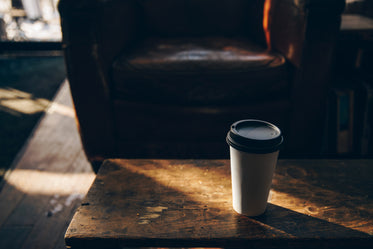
point(237, 140)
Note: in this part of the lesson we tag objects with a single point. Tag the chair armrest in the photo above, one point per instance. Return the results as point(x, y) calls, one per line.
point(94, 32)
point(108, 26)
point(294, 25)
point(306, 32)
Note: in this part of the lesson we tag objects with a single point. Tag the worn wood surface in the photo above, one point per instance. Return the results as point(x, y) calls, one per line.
point(47, 182)
point(187, 203)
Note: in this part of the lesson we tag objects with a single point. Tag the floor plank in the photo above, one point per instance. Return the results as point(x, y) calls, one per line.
point(13, 237)
point(47, 181)
point(59, 212)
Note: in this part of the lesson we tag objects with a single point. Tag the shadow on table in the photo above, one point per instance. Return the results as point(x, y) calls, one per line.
point(340, 177)
point(300, 228)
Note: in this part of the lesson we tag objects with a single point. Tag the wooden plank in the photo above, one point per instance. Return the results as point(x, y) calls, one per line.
point(170, 203)
point(45, 142)
point(75, 203)
point(33, 155)
point(13, 237)
point(60, 243)
point(52, 223)
point(52, 141)
point(47, 192)
point(9, 199)
point(47, 181)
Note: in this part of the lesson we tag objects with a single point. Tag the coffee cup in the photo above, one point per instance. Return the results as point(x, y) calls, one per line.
point(254, 148)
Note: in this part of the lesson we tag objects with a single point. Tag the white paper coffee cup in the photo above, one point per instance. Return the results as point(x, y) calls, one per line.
point(254, 149)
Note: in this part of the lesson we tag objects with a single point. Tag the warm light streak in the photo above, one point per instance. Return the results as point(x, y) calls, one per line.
point(287, 200)
point(197, 180)
point(62, 110)
point(12, 100)
point(17, 102)
point(36, 182)
point(266, 22)
point(205, 181)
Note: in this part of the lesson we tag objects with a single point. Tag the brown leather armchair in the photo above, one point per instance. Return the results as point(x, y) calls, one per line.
point(166, 78)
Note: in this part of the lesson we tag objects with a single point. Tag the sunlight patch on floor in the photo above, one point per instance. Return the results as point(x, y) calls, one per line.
point(61, 109)
point(16, 102)
point(37, 182)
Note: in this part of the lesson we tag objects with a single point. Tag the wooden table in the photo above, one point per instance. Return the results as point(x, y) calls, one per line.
point(187, 203)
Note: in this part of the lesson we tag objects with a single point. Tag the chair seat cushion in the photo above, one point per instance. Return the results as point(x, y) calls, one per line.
point(195, 71)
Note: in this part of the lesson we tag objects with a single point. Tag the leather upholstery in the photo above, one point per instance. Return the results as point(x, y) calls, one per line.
point(200, 71)
point(202, 17)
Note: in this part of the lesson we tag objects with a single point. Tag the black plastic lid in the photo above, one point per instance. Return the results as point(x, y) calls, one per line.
point(255, 136)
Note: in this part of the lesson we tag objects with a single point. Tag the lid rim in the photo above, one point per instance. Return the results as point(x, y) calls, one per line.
point(253, 144)
point(253, 149)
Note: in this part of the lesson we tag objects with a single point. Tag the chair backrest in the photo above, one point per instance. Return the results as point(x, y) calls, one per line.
point(203, 17)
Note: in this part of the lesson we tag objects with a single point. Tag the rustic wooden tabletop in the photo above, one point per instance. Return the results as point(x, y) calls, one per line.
point(187, 203)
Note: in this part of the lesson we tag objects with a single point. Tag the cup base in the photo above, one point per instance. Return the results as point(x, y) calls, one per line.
point(250, 213)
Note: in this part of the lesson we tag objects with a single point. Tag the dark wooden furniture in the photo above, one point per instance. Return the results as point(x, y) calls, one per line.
point(355, 44)
point(350, 108)
point(187, 203)
point(165, 79)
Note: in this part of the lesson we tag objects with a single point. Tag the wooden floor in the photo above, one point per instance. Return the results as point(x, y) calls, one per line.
point(46, 183)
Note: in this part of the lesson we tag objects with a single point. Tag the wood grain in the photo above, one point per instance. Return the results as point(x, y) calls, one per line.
point(46, 183)
point(13, 237)
point(173, 203)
